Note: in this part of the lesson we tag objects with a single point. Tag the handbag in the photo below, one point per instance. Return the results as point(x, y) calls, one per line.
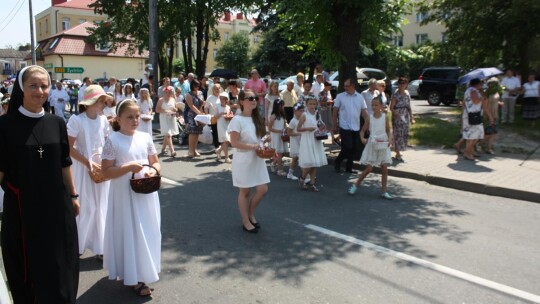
point(475, 118)
point(321, 135)
point(145, 185)
point(96, 174)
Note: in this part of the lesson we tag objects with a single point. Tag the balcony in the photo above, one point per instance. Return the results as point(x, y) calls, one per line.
point(7, 71)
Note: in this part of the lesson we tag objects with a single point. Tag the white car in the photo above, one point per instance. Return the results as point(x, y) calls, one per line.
point(413, 87)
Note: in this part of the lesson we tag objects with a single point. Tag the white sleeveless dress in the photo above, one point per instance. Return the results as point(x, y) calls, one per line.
point(311, 153)
point(276, 142)
point(372, 156)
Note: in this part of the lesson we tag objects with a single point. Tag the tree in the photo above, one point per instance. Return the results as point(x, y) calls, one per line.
point(334, 29)
point(233, 55)
point(489, 32)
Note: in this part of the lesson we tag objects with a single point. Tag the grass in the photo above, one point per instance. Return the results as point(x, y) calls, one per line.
point(527, 128)
point(434, 132)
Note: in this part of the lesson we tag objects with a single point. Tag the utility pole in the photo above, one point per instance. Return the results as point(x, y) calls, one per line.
point(32, 43)
point(153, 36)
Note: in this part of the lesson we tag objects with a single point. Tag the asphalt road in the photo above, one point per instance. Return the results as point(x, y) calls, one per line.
point(322, 247)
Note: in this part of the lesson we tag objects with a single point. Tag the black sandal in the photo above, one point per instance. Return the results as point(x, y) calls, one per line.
point(313, 188)
point(140, 290)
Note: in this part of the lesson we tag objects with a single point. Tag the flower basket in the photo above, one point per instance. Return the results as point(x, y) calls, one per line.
point(266, 152)
point(285, 137)
point(146, 185)
point(96, 174)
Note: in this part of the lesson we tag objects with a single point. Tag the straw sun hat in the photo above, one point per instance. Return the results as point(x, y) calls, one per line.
point(92, 94)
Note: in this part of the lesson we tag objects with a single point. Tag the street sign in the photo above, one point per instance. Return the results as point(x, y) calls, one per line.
point(69, 70)
point(48, 65)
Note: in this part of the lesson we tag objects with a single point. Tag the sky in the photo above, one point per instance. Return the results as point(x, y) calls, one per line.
point(15, 22)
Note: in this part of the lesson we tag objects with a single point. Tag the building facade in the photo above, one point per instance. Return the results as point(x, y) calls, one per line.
point(414, 33)
point(228, 25)
point(11, 61)
point(69, 54)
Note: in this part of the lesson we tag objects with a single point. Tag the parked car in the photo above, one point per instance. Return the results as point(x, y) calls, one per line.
point(283, 84)
point(413, 88)
point(439, 85)
point(363, 75)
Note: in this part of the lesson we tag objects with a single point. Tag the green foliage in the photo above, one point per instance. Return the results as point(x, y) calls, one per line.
point(178, 66)
point(488, 32)
point(233, 54)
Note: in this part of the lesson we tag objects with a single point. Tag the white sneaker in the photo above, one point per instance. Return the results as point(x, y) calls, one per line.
point(291, 176)
point(387, 196)
point(272, 168)
point(352, 189)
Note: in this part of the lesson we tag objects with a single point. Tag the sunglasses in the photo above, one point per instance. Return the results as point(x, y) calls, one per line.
point(251, 98)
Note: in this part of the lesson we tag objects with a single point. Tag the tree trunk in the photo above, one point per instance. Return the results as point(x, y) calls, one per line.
point(348, 41)
point(205, 46)
point(199, 33)
point(184, 54)
point(189, 64)
point(171, 57)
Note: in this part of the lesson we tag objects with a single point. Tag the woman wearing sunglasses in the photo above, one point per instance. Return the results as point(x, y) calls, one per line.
point(248, 170)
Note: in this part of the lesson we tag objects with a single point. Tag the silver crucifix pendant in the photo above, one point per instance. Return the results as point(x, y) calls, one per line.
point(40, 151)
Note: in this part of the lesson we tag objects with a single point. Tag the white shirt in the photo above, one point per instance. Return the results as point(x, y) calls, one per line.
point(350, 109)
point(59, 94)
point(510, 83)
point(368, 97)
point(81, 92)
point(531, 89)
point(317, 88)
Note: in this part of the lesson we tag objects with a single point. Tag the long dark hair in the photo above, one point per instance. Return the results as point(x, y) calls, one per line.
point(277, 108)
point(260, 128)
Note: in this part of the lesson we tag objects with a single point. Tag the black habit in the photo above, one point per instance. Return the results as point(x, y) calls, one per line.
point(39, 233)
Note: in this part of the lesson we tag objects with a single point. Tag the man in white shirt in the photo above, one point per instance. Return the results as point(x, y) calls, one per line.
point(59, 98)
point(370, 93)
point(318, 85)
point(348, 106)
point(112, 85)
point(86, 82)
point(512, 87)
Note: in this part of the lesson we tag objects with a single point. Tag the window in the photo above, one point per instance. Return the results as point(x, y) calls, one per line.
point(54, 43)
point(65, 23)
point(398, 40)
point(226, 35)
point(40, 29)
point(81, 21)
point(47, 26)
point(421, 17)
point(215, 53)
point(22, 64)
point(421, 38)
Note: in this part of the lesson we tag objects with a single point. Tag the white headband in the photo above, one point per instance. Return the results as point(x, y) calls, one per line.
point(21, 73)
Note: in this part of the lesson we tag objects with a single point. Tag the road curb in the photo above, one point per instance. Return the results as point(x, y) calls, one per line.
point(457, 184)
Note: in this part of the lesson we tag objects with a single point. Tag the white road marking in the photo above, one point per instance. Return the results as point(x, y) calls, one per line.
point(171, 182)
point(433, 266)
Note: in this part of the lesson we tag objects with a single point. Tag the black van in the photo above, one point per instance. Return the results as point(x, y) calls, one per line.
point(439, 84)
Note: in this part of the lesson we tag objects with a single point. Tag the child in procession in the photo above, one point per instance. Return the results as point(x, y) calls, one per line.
point(294, 141)
point(222, 111)
point(377, 151)
point(132, 232)
point(276, 126)
point(311, 151)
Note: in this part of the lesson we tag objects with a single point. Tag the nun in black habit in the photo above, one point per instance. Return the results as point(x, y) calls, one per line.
point(39, 234)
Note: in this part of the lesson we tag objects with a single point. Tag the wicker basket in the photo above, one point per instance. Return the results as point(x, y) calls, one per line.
point(213, 120)
point(321, 135)
point(146, 185)
point(96, 174)
point(285, 137)
point(229, 116)
point(266, 152)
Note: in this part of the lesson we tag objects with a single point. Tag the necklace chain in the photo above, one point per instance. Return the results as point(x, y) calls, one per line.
point(40, 149)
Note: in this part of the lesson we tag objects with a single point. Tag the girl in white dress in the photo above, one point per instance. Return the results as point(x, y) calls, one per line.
point(311, 152)
point(377, 150)
point(132, 232)
point(145, 104)
point(223, 110)
point(118, 92)
point(87, 133)
point(248, 170)
point(294, 135)
point(110, 108)
point(166, 107)
point(273, 94)
point(128, 92)
point(276, 126)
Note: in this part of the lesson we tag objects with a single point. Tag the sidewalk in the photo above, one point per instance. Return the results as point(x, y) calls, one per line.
point(505, 175)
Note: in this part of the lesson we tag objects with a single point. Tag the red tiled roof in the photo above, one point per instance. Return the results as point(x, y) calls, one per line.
point(80, 4)
point(74, 42)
